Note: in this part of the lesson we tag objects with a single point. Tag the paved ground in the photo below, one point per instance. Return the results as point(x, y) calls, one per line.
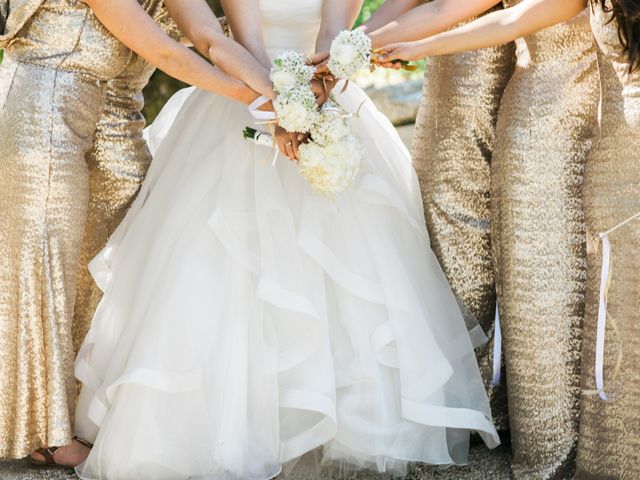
point(483, 465)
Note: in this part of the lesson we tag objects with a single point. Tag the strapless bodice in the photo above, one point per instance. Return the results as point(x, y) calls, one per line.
point(620, 90)
point(562, 44)
point(66, 35)
point(288, 25)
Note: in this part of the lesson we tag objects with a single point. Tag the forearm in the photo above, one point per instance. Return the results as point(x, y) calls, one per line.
point(199, 24)
point(130, 24)
point(337, 15)
point(388, 12)
point(503, 26)
point(246, 23)
point(428, 19)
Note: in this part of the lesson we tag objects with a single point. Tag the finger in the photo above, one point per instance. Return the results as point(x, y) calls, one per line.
point(390, 52)
point(289, 148)
point(295, 145)
point(317, 58)
point(282, 147)
point(321, 69)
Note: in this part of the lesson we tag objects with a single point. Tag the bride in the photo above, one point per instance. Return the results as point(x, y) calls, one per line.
point(247, 321)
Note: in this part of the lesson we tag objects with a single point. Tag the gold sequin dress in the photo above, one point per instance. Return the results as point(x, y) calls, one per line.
point(452, 148)
point(544, 133)
point(70, 138)
point(609, 445)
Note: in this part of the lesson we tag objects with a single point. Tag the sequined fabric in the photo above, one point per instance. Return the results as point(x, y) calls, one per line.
point(543, 136)
point(609, 445)
point(46, 128)
point(452, 147)
point(63, 74)
point(4, 13)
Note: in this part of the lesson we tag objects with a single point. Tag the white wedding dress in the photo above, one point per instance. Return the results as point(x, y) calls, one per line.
point(247, 320)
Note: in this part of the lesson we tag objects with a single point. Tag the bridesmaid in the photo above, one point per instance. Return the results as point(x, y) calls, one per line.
point(609, 447)
point(452, 149)
point(69, 106)
point(544, 134)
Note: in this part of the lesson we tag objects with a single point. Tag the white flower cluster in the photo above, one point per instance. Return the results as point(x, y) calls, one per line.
point(295, 104)
point(331, 125)
point(296, 108)
point(350, 52)
point(331, 161)
point(290, 70)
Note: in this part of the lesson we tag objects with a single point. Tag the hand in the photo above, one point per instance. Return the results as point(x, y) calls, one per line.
point(322, 86)
point(320, 61)
point(288, 142)
point(391, 55)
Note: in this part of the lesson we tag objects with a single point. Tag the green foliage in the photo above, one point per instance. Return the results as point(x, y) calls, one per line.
point(368, 8)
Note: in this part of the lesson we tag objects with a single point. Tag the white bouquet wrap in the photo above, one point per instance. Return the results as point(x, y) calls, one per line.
point(350, 52)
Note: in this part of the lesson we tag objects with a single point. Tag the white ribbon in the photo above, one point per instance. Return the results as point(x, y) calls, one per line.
point(263, 117)
point(605, 276)
point(605, 280)
point(259, 115)
point(497, 350)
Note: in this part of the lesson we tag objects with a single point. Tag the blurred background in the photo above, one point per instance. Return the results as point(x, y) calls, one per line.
point(397, 94)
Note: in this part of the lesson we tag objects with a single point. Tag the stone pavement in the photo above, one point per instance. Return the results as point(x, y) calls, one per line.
point(483, 465)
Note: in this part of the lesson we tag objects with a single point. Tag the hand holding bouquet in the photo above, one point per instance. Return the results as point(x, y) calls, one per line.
point(331, 159)
point(351, 52)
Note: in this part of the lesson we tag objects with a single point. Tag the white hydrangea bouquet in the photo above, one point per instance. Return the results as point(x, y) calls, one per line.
point(331, 160)
point(351, 51)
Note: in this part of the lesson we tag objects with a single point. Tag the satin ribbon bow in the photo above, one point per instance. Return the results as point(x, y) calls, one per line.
point(264, 118)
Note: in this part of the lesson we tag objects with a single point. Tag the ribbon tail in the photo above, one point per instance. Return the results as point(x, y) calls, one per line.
point(605, 280)
point(497, 350)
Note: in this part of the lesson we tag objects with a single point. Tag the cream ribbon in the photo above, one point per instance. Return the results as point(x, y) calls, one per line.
point(497, 350)
point(264, 118)
point(605, 283)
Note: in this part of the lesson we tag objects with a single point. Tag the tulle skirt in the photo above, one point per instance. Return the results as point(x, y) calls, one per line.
point(247, 320)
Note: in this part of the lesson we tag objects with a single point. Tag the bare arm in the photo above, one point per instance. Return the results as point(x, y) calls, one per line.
point(246, 24)
point(130, 24)
point(427, 19)
point(493, 29)
point(388, 12)
point(199, 24)
point(337, 15)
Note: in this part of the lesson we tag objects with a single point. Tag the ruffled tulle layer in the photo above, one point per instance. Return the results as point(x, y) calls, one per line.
point(247, 321)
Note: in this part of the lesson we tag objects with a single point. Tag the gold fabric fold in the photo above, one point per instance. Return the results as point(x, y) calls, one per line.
point(72, 150)
point(544, 134)
point(452, 150)
point(14, 14)
point(609, 445)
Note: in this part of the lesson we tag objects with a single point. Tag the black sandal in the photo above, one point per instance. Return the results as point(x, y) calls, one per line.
point(49, 456)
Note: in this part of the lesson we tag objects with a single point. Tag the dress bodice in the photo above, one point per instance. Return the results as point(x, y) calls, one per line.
point(620, 90)
point(66, 35)
point(288, 25)
point(563, 44)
